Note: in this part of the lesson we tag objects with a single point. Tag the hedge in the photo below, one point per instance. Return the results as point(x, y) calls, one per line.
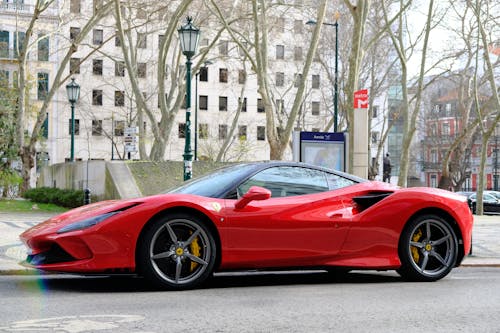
point(57, 196)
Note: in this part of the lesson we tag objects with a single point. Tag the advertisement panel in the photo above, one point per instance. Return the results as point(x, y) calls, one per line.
point(323, 149)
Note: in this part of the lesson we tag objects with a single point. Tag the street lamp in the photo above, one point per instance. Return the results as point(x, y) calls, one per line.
point(188, 36)
point(73, 91)
point(206, 63)
point(336, 16)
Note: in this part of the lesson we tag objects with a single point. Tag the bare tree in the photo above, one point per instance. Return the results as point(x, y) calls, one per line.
point(254, 43)
point(27, 145)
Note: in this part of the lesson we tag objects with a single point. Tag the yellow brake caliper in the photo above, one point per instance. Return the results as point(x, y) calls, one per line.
point(414, 250)
point(195, 251)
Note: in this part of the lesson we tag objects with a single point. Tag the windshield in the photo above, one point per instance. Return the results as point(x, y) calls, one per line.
point(216, 183)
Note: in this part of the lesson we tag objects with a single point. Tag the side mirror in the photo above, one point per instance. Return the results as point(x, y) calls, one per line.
point(254, 193)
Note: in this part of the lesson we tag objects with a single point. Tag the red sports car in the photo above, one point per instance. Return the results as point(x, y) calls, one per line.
point(264, 215)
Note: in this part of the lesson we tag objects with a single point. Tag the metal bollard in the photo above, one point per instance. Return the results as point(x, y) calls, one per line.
point(86, 196)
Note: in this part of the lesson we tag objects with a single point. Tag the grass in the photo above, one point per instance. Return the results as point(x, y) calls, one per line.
point(28, 206)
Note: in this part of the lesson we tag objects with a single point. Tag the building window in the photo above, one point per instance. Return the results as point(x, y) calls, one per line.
point(141, 40)
point(375, 137)
point(96, 127)
point(204, 42)
point(298, 25)
point(224, 47)
point(119, 68)
point(315, 81)
point(222, 132)
point(203, 102)
point(242, 76)
point(4, 78)
point(73, 33)
point(43, 48)
point(203, 131)
point(446, 129)
point(4, 44)
point(43, 86)
point(280, 24)
point(119, 127)
point(280, 52)
point(374, 111)
point(74, 66)
point(45, 127)
point(119, 98)
point(297, 80)
point(141, 14)
point(97, 37)
point(261, 133)
point(280, 79)
point(203, 74)
point(433, 181)
point(118, 41)
point(315, 108)
point(297, 54)
point(242, 132)
point(97, 66)
point(96, 97)
point(280, 105)
point(141, 70)
point(222, 103)
point(19, 37)
point(243, 104)
point(223, 75)
point(181, 131)
point(77, 127)
point(260, 106)
point(74, 6)
point(97, 5)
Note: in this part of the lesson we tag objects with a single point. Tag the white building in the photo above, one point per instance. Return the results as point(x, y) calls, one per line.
point(107, 106)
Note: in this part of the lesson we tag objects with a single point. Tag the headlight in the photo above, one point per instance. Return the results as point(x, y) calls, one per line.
point(87, 223)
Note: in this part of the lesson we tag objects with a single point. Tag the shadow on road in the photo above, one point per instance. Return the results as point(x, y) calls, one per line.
point(120, 284)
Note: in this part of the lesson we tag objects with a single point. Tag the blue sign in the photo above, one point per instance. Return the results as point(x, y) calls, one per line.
point(323, 149)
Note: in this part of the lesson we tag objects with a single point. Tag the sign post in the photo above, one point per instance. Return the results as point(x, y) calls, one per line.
point(131, 139)
point(360, 131)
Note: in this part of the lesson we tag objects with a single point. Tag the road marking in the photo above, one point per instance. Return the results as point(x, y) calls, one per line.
point(73, 324)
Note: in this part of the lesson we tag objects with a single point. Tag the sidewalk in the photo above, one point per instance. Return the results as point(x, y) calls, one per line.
point(485, 241)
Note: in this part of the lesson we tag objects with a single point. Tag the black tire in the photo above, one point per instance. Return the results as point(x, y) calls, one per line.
point(428, 249)
point(176, 252)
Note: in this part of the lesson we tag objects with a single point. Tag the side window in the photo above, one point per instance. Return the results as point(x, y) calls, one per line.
point(287, 181)
point(335, 182)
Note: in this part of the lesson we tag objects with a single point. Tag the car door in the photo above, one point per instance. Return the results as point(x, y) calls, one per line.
point(303, 223)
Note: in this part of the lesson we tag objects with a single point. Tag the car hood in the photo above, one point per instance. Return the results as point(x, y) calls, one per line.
point(78, 214)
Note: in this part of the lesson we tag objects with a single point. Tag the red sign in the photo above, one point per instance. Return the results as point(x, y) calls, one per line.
point(361, 99)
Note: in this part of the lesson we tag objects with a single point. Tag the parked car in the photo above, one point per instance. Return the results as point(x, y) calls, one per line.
point(267, 215)
point(491, 204)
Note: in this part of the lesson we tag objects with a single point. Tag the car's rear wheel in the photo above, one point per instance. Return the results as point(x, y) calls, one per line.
point(176, 252)
point(428, 249)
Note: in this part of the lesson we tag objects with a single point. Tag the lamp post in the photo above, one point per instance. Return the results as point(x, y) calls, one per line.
point(73, 91)
point(206, 63)
point(336, 16)
point(188, 36)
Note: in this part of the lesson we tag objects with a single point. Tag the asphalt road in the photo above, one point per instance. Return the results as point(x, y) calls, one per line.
point(468, 300)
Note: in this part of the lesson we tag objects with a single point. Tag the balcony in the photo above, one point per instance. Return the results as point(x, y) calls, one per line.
point(15, 7)
point(20, 8)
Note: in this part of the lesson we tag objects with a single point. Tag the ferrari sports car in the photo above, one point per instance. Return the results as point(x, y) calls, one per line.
point(259, 216)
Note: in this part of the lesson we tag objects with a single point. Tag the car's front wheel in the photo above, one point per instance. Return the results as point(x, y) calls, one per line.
point(176, 252)
point(428, 249)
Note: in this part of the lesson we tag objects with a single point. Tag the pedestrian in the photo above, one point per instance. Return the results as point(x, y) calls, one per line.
point(387, 169)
